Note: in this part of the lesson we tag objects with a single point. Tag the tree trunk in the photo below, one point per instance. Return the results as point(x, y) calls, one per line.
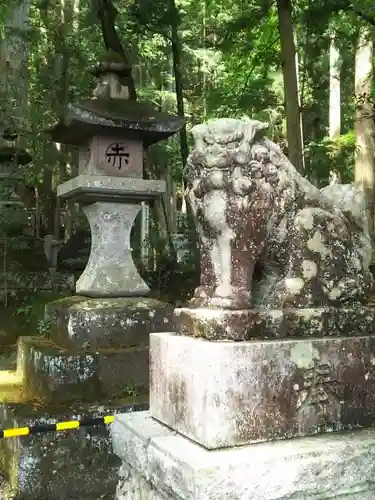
point(334, 90)
point(184, 147)
point(170, 194)
point(289, 68)
point(71, 20)
point(14, 69)
point(13, 102)
point(176, 53)
point(364, 125)
point(334, 99)
point(145, 233)
point(157, 209)
point(203, 66)
point(68, 12)
point(144, 241)
point(62, 81)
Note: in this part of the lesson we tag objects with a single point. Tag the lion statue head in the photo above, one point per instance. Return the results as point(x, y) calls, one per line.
point(233, 156)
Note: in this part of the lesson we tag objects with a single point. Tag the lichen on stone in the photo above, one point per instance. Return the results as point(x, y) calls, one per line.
point(268, 237)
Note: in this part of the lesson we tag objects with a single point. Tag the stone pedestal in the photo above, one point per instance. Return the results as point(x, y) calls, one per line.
point(111, 205)
point(215, 407)
point(81, 322)
point(245, 392)
point(94, 348)
point(159, 464)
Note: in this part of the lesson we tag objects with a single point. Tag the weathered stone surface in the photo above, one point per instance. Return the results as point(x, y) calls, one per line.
point(112, 156)
point(110, 271)
point(91, 188)
point(245, 392)
point(74, 465)
point(220, 324)
point(159, 464)
point(81, 322)
point(56, 374)
point(268, 237)
point(132, 486)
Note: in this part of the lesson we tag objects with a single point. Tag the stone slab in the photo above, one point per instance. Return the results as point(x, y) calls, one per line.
point(159, 464)
point(85, 189)
point(74, 465)
point(224, 393)
point(82, 322)
point(55, 374)
point(246, 324)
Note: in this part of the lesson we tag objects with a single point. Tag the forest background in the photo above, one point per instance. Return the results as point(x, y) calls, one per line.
point(304, 67)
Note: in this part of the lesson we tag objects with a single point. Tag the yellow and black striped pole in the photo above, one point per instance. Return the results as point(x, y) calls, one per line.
point(67, 425)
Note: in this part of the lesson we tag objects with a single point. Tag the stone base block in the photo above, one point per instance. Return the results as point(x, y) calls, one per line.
point(158, 464)
point(74, 465)
point(55, 374)
point(248, 324)
point(223, 394)
point(78, 322)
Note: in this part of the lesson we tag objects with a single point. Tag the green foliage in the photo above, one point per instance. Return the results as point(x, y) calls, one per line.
point(25, 311)
point(326, 156)
point(132, 389)
point(44, 326)
point(29, 314)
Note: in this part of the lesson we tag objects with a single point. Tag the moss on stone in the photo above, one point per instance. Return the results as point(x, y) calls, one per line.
point(133, 303)
point(46, 346)
point(25, 408)
point(67, 301)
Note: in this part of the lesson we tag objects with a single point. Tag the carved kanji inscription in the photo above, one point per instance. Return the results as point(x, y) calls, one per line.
point(319, 388)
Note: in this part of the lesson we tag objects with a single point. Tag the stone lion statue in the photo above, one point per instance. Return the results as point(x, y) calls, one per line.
point(268, 237)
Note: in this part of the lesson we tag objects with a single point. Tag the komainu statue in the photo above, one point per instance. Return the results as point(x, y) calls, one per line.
point(268, 237)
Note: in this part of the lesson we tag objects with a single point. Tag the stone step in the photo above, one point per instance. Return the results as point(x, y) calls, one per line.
point(75, 464)
point(52, 373)
point(11, 386)
point(82, 322)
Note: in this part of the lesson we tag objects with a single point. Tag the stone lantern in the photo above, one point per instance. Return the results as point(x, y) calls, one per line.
point(98, 343)
point(112, 133)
